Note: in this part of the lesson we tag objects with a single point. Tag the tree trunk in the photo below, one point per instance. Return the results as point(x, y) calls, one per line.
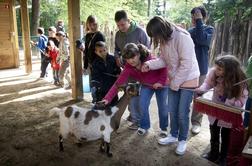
point(35, 16)
point(149, 8)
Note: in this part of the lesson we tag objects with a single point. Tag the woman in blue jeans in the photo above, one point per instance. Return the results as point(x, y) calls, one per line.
point(154, 81)
point(177, 53)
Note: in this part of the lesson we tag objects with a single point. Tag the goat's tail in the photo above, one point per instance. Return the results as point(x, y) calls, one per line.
point(54, 110)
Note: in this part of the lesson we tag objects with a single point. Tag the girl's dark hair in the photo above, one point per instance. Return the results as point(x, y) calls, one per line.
point(131, 50)
point(159, 30)
point(233, 73)
point(202, 10)
point(40, 30)
point(90, 19)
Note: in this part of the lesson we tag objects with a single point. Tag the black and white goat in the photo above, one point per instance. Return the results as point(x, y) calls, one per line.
point(99, 122)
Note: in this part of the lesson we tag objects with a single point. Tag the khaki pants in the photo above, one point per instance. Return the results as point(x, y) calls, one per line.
point(64, 72)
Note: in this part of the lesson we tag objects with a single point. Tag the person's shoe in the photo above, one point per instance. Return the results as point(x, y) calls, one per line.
point(222, 161)
point(196, 129)
point(181, 148)
point(141, 131)
point(133, 126)
point(167, 140)
point(163, 134)
point(211, 157)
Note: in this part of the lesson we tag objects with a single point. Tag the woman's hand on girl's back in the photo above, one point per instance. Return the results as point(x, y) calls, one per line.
point(145, 68)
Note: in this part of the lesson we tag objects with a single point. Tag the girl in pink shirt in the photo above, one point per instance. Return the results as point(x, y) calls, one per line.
point(152, 81)
point(222, 77)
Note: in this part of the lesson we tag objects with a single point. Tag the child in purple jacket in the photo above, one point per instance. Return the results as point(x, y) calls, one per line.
point(152, 81)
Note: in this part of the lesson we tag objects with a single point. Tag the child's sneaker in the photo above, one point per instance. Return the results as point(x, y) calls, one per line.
point(181, 148)
point(167, 140)
point(141, 131)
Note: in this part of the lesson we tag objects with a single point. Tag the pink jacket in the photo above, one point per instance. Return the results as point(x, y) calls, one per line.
point(218, 93)
point(146, 78)
point(179, 55)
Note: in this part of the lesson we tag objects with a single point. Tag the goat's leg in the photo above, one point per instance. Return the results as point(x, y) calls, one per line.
point(61, 147)
point(109, 154)
point(102, 146)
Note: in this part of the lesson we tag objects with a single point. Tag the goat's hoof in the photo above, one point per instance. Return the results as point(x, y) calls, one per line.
point(102, 149)
point(79, 144)
point(109, 154)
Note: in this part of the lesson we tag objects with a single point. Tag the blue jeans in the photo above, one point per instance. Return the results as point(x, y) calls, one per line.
point(146, 94)
point(179, 107)
point(246, 115)
point(134, 109)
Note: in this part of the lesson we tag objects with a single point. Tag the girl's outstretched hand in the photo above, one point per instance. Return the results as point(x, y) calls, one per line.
point(145, 68)
point(104, 101)
point(157, 86)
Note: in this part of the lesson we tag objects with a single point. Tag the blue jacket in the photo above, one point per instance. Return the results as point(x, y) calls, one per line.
point(202, 35)
point(42, 41)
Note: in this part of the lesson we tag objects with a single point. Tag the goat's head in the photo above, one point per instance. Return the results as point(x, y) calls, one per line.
point(131, 88)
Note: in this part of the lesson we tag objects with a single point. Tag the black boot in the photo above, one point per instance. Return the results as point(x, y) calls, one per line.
point(213, 155)
point(225, 132)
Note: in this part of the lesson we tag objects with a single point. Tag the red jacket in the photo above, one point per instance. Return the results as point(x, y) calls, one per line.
point(53, 54)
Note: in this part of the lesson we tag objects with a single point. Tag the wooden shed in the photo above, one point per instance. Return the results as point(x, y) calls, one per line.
point(8, 35)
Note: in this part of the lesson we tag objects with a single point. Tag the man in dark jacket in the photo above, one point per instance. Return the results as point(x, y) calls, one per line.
point(201, 35)
point(104, 73)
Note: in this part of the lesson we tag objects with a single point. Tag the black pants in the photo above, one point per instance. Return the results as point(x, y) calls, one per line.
point(44, 63)
point(215, 140)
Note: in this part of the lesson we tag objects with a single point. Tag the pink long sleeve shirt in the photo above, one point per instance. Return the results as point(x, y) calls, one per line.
point(146, 78)
point(212, 81)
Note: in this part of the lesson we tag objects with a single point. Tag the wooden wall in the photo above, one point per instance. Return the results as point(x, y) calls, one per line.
point(8, 35)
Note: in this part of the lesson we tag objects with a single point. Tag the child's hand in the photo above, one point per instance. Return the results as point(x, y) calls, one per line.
point(33, 43)
point(197, 14)
point(199, 92)
point(157, 86)
point(145, 68)
point(104, 101)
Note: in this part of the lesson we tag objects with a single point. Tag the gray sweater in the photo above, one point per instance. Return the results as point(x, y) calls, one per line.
point(135, 35)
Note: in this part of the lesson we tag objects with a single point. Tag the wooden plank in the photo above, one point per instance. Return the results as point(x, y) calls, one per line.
point(75, 55)
point(14, 33)
point(247, 151)
point(26, 35)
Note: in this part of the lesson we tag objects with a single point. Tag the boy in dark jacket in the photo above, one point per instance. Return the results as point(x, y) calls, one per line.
point(201, 35)
point(104, 73)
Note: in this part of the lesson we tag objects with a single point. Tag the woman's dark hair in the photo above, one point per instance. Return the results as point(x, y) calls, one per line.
point(159, 30)
point(90, 19)
point(120, 14)
point(202, 10)
point(233, 73)
point(131, 50)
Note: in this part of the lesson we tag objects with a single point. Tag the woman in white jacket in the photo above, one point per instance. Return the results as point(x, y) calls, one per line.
point(177, 53)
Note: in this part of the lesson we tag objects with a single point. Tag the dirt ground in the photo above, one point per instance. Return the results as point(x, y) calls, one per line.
point(29, 137)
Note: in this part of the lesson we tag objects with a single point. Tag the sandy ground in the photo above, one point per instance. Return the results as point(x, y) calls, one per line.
point(29, 137)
